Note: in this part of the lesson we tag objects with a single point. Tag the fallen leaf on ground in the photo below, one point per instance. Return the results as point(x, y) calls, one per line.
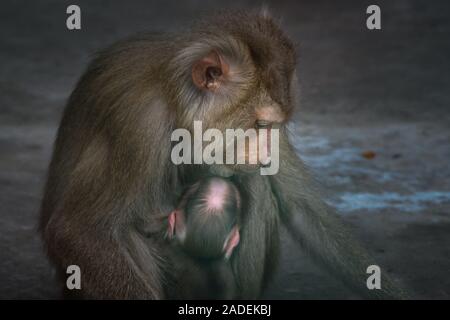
point(369, 154)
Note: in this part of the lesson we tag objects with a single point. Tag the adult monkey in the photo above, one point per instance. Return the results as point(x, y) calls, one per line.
point(111, 177)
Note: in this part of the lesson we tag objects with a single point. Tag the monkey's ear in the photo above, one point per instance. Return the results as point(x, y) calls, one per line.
point(172, 222)
point(231, 242)
point(209, 72)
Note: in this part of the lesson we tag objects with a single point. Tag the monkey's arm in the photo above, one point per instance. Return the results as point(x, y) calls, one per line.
point(318, 229)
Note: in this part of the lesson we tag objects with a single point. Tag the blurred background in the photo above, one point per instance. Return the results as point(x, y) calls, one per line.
point(373, 123)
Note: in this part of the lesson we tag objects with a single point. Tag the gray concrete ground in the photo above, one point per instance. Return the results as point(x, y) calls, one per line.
point(382, 91)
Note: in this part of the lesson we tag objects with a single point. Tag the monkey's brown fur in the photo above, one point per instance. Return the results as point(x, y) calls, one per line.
point(111, 181)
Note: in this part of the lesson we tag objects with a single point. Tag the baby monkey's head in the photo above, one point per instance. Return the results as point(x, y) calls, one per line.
point(206, 221)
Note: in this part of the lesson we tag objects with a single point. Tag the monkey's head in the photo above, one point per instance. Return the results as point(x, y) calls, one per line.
point(206, 221)
point(232, 75)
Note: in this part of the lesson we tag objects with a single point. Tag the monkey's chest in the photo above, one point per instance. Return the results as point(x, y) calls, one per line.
point(257, 256)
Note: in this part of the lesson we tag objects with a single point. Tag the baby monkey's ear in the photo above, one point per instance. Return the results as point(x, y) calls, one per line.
point(172, 221)
point(231, 242)
point(177, 225)
point(210, 72)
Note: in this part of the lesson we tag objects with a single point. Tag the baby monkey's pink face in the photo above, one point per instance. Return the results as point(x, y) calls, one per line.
point(213, 200)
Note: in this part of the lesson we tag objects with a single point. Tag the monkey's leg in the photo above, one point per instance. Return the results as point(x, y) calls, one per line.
point(319, 230)
point(116, 261)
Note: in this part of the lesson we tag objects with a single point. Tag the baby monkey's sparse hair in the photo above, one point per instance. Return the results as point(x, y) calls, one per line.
point(206, 222)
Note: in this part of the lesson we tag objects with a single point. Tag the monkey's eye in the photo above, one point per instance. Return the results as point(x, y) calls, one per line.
point(261, 124)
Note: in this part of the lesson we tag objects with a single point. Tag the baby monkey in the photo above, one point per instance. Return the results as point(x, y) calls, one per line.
point(205, 230)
